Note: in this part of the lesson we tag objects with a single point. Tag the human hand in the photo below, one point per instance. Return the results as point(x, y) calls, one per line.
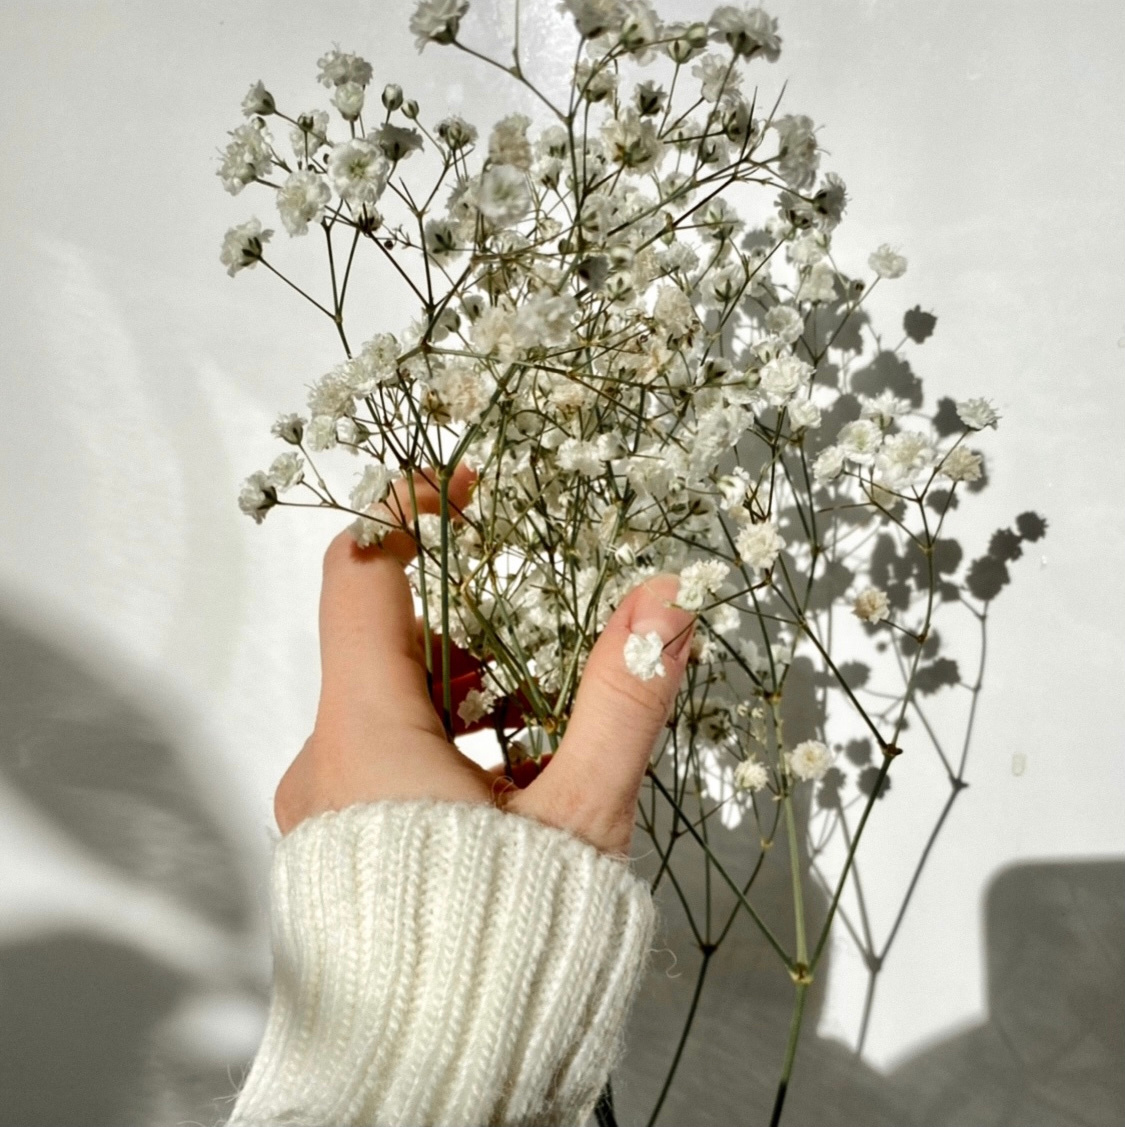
point(377, 735)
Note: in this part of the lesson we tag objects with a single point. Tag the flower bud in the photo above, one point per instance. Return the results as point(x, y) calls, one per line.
point(392, 97)
point(410, 108)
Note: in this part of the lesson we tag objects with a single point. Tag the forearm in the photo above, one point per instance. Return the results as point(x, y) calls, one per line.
point(444, 964)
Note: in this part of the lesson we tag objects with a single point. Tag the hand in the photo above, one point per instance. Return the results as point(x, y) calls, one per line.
point(378, 736)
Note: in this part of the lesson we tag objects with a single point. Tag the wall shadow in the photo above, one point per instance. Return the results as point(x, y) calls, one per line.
point(1049, 1054)
point(88, 1024)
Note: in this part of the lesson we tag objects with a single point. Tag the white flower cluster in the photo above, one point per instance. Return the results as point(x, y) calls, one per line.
point(640, 380)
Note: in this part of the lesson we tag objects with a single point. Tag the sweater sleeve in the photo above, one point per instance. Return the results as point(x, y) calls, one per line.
point(443, 964)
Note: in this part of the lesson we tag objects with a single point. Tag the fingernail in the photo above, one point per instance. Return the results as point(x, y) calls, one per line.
point(653, 611)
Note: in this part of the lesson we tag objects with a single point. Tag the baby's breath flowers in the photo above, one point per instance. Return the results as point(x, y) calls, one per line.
point(630, 324)
point(644, 655)
point(809, 760)
point(871, 605)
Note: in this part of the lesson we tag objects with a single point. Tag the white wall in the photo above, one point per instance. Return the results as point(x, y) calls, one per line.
point(139, 383)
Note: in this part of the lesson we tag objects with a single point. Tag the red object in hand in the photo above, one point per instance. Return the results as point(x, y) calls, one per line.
point(464, 675)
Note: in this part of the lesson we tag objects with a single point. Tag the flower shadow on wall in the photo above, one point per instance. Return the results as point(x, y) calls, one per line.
point(927, 672)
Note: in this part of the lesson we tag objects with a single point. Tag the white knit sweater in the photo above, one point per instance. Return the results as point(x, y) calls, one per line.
point(445, 964)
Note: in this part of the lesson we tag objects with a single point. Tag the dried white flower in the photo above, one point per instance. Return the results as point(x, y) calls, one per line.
point(437, 21)
point(829, 463)
point(809, 760)
point(860, 441)
point(348, 99)
point(242, 246)
point(338, 68)
point(258, 100)
point(871, 605)
point(961, 464)
point(248, 157)
point(358, 171)
point(759, 544)
point(887, 263)
point(286, 471)
point(747, 31)
point(977, 414)
point(751, 775)
point(504, 196)
point(258, 496)
point(699, 579)
point(373, 487)
point(301, 200)
point(643, 655)
point(476, 705)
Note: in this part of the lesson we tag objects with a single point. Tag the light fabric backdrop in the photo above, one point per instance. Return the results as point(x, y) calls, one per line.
point(158, 650)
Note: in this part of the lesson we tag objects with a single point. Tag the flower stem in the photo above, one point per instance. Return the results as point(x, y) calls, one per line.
point(790, 1052)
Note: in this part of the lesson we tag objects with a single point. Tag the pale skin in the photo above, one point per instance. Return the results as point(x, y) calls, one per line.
point(377, 735)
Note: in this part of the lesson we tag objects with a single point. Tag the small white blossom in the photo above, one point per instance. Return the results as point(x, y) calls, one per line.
point(337, 68)
point(246, 158)
point(258, 100)
point(884, 408)
point(751, 775)
point(860, 441)
point(871, 605)
point(674, 313)
point(887, 263)
point(829, 463)
point(456, 132)
point(804, 414)
point(367, 531)
point(301, 200)
point(977, 414)
point(782, 378)
point(797, 150)
point(733, 487)
point(594, 17)
point(785, 322)
point(289, 428)
point(242, 246)
point(902, 458)
point(717, 78)
point(358, 170)
point(759, 544)
point(437, 21)
point(809, 760)
point(747, 31)
point(310, 134)
point(633, 142)
point(961, 464)
point(724, 619)
point(286, 471)
point(818, 284)
point(320, 434)
point(373, 487)
point(258, 496)
point(504, 195)
point(348, 99)
point(476, 705)
point(643, 655)
point(508, 143)
point(699, 579)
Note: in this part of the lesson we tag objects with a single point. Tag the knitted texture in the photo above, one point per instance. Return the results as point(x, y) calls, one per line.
point(444, 964)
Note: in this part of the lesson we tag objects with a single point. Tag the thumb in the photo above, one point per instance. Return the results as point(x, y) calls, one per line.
point(597, 771)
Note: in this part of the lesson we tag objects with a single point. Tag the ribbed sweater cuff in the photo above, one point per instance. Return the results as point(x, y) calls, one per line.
point(444, 964)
